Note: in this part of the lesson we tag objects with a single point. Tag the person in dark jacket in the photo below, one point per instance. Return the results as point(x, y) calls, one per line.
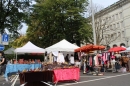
point(3, 62)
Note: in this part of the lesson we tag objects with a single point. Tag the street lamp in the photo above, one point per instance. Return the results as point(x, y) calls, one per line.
point(93, 23)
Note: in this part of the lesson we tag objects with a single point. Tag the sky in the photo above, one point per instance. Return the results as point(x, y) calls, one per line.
point(103, 3)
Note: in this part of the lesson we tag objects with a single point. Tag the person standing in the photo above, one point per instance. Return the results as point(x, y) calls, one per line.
point(3, 62)
point(67, 58)
point(71, 59)
point(129, 65)
point(45, 57)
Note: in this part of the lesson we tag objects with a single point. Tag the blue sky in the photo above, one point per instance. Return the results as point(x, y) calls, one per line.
point(103, 3)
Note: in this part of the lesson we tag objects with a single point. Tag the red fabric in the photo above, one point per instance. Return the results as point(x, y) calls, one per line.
point(66, 74)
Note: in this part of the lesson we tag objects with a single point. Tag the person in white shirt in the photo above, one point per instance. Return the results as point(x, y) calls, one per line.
point(77, 63)
point(60, 58)
point(71, 59)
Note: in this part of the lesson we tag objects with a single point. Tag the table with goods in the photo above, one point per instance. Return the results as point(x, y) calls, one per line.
point(49, 74)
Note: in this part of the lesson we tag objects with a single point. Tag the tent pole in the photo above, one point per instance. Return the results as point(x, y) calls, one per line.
point(16, 57)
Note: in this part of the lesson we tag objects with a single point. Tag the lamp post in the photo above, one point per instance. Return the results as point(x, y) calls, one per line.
point(93, 23)
point(94, 34)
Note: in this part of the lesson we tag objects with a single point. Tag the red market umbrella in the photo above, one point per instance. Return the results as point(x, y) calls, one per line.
point(84, 48)
point(116, 49)
point(89, 47)
point(97, 47)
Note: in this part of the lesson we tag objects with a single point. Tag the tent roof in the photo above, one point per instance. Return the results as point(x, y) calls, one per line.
point(29, 48)
point(63, 45)
point(9, 51)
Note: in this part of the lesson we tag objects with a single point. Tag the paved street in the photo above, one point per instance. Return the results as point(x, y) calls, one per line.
point(109, 79)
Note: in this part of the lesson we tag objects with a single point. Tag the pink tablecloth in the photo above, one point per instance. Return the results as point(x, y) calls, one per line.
point(66, 74)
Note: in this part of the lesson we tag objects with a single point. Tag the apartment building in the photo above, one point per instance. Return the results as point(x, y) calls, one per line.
point(115, 23)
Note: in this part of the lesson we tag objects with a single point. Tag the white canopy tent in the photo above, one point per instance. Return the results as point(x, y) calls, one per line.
point(62, 46)
point(29, 48)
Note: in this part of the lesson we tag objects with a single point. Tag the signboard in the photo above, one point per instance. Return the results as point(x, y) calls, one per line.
point(5, 39)
point(2, 47)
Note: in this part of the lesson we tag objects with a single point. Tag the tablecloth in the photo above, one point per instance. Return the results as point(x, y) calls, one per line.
point(66, 74)
point(11, 68)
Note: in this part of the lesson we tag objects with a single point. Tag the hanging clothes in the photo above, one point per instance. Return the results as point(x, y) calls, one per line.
point(103, 57)
point(90, 61)
point(96, 60)
point(112, 55)
point(106, 56)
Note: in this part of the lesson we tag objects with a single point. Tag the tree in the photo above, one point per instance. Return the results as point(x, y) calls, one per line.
point(86, 34)
point(54, 20)
point(12, 14)
point(19, 42)
point(105, 33)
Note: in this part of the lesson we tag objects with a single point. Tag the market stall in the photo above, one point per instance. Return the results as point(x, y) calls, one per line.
point(49, 74)
point(27, 48)
point(86, 51)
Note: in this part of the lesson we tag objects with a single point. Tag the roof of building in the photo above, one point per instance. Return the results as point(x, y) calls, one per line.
point(112, 7)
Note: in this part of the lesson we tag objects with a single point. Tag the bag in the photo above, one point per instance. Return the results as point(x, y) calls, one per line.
point(123, 70)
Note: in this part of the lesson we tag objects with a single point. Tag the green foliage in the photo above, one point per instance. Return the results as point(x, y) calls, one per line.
point(86, 34)
point(19, 42)
point(10, 56)
point(12, 14)
point(54, 20)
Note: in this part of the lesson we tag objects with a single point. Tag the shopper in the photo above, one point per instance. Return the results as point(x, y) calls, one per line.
point(3, 62)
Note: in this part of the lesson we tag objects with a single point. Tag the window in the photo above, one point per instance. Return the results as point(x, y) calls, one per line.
point(114, 26)
point(106, 38)
point(109, 36)
point(118, 25)
point(122, 24)
point(119, 35)
point(107, 27)
point(106, 19)
point(113, 17)
point(117, 16)
point(112, 35)
point(115, 35)
point(121, 16)
point(110, 27)
point(109, 18)
point(123, 33)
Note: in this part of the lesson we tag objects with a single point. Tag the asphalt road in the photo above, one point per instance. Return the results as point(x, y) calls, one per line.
point(108, 79)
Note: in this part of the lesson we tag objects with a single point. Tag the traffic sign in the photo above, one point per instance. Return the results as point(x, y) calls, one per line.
point(5, 39)
point(2, 47)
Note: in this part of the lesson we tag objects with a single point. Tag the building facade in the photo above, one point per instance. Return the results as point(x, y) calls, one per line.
point(115, 23)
